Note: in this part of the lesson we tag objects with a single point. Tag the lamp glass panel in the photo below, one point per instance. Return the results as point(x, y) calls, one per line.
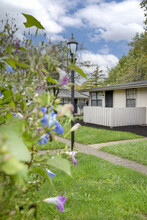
point(73, 48)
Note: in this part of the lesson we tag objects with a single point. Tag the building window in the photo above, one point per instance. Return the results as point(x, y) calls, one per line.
point(131, 98)
point(64, 101)
point(96, 98)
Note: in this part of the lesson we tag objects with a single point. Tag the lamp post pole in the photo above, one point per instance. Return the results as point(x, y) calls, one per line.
point(73, 103)
point(73, 46)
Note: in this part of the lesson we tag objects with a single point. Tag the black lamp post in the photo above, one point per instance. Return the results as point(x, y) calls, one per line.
point(73, 46)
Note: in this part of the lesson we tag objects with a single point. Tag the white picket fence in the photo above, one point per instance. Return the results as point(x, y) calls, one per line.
point(113, 117)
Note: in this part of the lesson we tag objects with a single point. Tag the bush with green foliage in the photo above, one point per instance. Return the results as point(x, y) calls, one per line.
point(30, 75)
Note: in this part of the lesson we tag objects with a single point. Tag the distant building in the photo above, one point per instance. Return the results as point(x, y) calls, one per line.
point(117, 105)
point(79, 98)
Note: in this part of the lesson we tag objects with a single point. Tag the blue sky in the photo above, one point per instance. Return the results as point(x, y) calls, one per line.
point(104, 27)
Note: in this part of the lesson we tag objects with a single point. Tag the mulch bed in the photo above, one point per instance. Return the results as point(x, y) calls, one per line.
point(136, 129)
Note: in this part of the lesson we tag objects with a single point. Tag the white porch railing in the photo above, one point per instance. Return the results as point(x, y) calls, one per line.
point(115, 116)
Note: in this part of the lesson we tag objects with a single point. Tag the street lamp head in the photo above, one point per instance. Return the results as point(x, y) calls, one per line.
point(73, 45)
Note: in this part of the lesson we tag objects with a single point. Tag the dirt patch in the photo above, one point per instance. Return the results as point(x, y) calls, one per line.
point(136, 129)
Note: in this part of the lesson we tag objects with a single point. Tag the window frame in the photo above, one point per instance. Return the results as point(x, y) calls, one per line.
point(98, 99)
point(63, 102)
point(129, 93)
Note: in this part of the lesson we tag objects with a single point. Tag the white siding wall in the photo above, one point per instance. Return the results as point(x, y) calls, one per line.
point(141, 100)
point(115, 116)
point(119, 99)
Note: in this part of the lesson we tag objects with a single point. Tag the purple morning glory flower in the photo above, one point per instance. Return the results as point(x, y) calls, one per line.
point(59, 201)
point(63, 76)
point(64, 81)
point(39, 88)
point(43, 139)
point(50, 173)
point(73, 154)
point(74, 161)
point(38, 129)
point(9, 68)
point(17, 45)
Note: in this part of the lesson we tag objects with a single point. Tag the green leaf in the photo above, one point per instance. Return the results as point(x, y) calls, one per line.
point(8, 95)
point(13, 140)
point(44, 70)
point(31, 21)
point(12, 166)
point(12, 104)
point(11, 62)
point(9, 115)
point(9, 49)
point(78, 70)
point(22, 48)
point(60, 163)
point(50, 79)
point(45, 99)
point(21, 64)
point(42, 172)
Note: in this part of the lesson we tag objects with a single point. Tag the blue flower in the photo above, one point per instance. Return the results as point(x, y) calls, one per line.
point(43, 139)
point(50, 173)
point(52, 118)
point(9, 68)
point(43, 109)
point(58, 128)
point(52, 121)
point(18, 115)
point(44, 120)
point(1, 95)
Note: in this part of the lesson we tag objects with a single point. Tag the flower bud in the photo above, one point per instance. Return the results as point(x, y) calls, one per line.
point(4, 149)
point(65, 109)
point(75, 127)
point(40, 114)
point(6, 157)
point(57, 101)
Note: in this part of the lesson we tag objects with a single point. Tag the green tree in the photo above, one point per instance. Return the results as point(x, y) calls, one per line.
point(132, 67)
point(143, 5)
point(95, 79)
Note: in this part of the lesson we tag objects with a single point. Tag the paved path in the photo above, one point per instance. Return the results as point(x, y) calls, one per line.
point(93, 150)
point(115, 142)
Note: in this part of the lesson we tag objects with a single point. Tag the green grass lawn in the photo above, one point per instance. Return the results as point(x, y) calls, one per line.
point(88, 135)
point(53, 145)
point(136, 151)
point(98, 190)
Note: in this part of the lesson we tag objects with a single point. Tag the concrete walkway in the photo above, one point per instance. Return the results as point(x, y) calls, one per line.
point(97, 146)
point(93, 150)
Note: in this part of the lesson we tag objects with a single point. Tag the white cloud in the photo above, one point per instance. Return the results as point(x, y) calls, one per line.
point(110, 21)
point(104, 50)
point(55, 37)
point(117, 32)
point(103, 61)
point(41, 10)
point(113, 21)
point(71, 21)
